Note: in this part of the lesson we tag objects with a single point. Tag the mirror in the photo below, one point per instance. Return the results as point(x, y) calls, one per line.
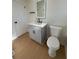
point(41, 8)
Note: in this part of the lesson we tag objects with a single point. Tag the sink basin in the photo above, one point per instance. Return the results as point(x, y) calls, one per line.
point(38, 24)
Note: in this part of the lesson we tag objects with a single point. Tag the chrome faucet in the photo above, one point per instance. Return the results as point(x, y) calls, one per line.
point(39, 21)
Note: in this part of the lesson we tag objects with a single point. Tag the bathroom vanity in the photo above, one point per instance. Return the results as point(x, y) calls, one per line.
point(38, 32)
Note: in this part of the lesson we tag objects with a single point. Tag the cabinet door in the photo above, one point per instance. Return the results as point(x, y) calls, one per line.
point(35, 34)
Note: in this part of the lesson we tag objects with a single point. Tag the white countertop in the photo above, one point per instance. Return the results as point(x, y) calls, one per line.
point(38, 24)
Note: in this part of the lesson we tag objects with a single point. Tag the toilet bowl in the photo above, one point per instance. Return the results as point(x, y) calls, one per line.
point(53, 45)
point(53, 42)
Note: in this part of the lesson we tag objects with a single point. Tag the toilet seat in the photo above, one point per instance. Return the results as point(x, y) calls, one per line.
point(53, 42)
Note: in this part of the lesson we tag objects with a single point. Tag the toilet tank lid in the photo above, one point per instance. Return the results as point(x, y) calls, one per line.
point(57, 27)
point(53, 42)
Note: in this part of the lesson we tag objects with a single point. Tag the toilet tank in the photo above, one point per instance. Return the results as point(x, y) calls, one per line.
point(55, 30)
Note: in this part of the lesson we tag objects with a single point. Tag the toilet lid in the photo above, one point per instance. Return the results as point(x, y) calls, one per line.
point(53, 42)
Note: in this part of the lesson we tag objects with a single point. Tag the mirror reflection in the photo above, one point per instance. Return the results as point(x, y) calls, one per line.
point(40, 8)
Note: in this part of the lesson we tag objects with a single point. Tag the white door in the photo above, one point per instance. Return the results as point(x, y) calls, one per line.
point(18, 27)
point(19, 19)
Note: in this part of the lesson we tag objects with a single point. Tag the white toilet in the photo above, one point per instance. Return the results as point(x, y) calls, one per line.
point(53, 42)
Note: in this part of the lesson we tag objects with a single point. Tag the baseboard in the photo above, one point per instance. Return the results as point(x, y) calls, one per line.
point(13, 38)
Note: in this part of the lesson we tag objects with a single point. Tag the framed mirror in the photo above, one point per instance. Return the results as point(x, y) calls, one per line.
point(41, 8)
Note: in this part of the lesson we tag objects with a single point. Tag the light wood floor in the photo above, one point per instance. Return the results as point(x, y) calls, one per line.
point(26, 48)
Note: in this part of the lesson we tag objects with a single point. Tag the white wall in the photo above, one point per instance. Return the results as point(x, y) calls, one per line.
point(32, 8)
point(57, 12)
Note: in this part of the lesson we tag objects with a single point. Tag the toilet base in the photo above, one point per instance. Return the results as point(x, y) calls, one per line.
point(52, 53)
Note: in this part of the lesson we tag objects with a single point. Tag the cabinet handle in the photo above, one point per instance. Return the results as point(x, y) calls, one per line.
point(33, 31)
